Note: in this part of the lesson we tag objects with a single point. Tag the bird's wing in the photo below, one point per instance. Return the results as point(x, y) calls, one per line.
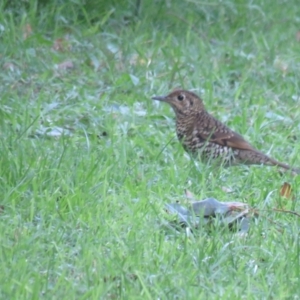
point(232, 139)
point(214, 131)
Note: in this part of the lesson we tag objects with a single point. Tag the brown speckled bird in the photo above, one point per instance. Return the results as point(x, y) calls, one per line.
point(199, 132)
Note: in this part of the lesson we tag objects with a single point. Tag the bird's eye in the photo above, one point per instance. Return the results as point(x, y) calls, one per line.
point(180, 97)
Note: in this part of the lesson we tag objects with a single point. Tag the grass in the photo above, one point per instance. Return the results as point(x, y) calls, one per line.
point(88, 160)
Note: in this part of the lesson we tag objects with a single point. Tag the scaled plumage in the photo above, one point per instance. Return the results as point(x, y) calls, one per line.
point(200, 132)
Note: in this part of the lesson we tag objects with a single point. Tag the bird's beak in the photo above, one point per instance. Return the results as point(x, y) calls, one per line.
point(160, 98)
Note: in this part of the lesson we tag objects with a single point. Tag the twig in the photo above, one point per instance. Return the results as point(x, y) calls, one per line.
point(277, 210)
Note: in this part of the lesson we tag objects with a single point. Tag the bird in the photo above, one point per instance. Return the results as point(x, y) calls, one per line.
point(201, 133)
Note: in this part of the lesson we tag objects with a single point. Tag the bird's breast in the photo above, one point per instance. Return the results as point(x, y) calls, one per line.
point(189, 137)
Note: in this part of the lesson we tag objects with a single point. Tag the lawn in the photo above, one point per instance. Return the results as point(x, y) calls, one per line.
point(88, 161)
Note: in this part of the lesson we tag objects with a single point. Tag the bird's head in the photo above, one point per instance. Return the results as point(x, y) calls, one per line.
point(182, 102)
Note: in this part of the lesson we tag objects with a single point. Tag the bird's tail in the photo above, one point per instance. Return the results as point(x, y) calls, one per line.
point(296, 171)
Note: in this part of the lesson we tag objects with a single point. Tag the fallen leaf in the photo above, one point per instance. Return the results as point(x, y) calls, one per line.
point(226, 189)
point(286, 191)
point(27, 31)
point(68, 64)
point(281, 65)
point(133, 59)
point(203, 212)
point(9, 66)
point(189, 195)
point(61, 45)
point(136, 60)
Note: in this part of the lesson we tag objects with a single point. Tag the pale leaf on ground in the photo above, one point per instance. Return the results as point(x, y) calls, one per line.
point(27, 31)
point(61, 45)
point(68, 64)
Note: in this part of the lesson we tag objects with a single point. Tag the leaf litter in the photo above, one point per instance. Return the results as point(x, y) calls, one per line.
point(205, 212)
point(233, 215)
